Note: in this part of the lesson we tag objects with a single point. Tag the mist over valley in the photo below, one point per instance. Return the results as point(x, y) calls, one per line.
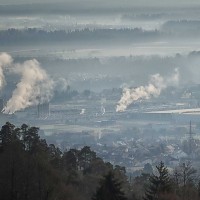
point(113, 86)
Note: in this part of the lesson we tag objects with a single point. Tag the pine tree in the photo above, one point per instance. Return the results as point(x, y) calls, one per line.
point(110, 189)
point(159, 184)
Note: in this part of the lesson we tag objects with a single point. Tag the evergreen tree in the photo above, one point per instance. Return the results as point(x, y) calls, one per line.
point(8, 134)
point(110, 189)
point(148, 169)
point(159, 184)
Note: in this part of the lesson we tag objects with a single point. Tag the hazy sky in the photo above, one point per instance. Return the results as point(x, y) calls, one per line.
point(20, 7)
point(110, 2)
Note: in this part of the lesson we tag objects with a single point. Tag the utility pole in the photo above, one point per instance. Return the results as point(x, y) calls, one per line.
point(190, 140)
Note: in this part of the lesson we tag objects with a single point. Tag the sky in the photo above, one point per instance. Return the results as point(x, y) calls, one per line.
point(109, 2)
point(17, 7)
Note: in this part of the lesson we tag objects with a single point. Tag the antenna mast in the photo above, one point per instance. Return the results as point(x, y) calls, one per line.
point(190, 139)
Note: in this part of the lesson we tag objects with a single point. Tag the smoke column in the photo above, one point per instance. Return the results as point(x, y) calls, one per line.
point(34, 87)
point(82, 112)
point(5, 60)
point(156, 84)
point(103, 110)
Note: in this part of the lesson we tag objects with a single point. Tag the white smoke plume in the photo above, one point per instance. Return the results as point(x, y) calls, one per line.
point(156, 84)
point(34, 87)
point(5, 60)
point(82, 112)
point(103, 110)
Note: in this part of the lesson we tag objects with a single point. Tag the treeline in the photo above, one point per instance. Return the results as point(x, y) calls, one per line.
point(182, 25)
point(31, 169)
point(30, 35)
point(169, 31)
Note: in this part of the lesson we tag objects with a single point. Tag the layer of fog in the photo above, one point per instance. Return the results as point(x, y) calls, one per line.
point(93, 74)
point(100, 73)
point(71, 15)
point(71, 23)
point(91, 6)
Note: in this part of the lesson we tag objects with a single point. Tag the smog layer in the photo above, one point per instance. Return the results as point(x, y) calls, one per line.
point(104, 70)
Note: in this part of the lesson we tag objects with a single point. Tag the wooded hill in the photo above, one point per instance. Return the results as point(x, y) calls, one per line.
point(30, 169)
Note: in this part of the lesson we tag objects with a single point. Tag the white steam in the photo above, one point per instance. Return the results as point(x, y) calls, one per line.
point(5, 60)
point(156, 84)
point(34, 87)
point(103, 110)
point(82, 112)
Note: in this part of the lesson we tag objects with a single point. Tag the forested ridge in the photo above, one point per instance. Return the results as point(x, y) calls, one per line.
point(170, 31)
point(26, 36)
point(31, 169)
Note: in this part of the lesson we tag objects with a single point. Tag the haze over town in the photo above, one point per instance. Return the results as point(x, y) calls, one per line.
point(119, 76)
